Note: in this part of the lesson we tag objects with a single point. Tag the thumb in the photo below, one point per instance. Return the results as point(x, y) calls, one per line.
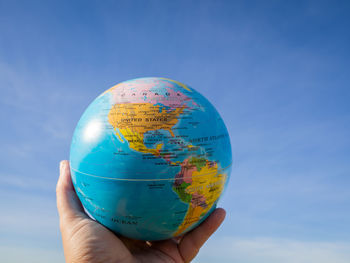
point(68, 203)
point(191, 242)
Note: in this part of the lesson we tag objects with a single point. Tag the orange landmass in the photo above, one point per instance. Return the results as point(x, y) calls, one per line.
point(133, 120)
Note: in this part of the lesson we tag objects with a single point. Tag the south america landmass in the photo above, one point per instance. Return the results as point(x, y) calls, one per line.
point(199, 184)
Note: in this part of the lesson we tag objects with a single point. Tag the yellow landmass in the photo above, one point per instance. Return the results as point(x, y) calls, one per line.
point(208, 184)
point(133, 120)
point(110, 89)
point(178, 83)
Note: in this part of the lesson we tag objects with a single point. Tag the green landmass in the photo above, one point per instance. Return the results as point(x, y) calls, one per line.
point(198, 162)
point(180, 190)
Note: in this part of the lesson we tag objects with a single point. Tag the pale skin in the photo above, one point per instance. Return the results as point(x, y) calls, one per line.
point(86, 241)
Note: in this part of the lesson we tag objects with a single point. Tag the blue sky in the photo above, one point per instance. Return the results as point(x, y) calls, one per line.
point(277, 71)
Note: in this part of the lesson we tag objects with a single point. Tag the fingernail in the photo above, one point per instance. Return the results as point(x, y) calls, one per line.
point(62, 165)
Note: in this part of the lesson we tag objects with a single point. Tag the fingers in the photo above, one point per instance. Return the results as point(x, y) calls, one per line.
point(68, 203)
point(168, 247)
point(191, 243)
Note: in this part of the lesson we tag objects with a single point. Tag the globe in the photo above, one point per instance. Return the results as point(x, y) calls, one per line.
point(150, 158)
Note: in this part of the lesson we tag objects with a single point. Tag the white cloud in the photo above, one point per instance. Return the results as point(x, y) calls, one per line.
point(29, 227)
point(16, 254)
point(273, 250)
point(42, 102)
point(21, 182)
point(28, 213)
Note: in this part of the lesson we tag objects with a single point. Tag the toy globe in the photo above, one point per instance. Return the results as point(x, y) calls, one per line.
point(150, 158)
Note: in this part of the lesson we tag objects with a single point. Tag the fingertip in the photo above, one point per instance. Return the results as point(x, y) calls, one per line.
point(193, 241)
point(68, 202)
point(214, 221)
point(65, 180)
point(220, 214)
point(63, 165)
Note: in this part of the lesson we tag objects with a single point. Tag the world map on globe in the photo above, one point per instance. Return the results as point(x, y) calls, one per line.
point(150, 158)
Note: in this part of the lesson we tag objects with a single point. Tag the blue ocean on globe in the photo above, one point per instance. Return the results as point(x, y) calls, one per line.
point(150, 158)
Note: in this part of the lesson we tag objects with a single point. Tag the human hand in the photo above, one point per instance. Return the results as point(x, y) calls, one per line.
point(87, 241)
